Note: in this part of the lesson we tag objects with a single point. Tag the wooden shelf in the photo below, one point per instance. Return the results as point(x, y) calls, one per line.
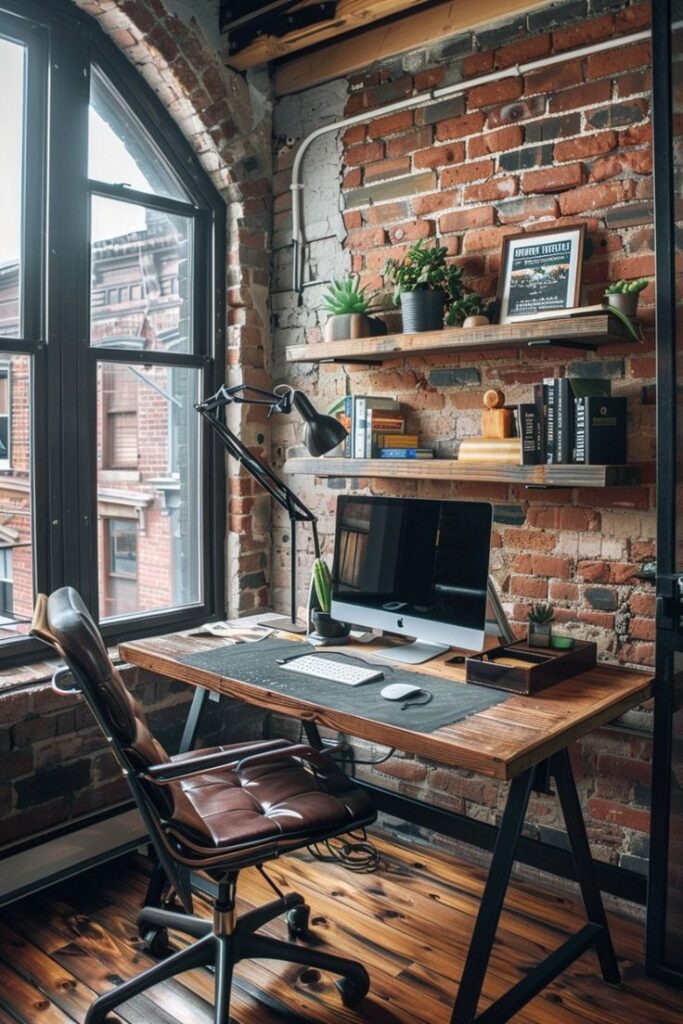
point(584, 332)
point(452, 469)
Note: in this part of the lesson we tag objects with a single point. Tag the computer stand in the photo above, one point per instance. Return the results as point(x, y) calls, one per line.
point(419, 651)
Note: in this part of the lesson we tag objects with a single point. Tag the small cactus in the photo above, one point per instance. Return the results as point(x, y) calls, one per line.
point(627, 287)
point(541, 612)
point(322, 581)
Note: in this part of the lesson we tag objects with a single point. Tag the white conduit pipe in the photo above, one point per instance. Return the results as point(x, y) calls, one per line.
point(423, 99)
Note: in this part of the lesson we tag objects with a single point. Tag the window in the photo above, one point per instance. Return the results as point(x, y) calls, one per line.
point(110, 261)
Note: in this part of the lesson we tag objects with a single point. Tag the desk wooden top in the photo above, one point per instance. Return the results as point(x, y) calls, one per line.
point(500, 742)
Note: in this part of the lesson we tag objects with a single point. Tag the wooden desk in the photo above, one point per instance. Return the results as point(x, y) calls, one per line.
point(522, 739)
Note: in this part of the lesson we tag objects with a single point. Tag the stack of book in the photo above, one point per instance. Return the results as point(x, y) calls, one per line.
point(572, 420)
point(377, 430)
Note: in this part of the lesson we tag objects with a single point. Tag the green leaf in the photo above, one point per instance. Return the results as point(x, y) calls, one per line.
point(626, 321)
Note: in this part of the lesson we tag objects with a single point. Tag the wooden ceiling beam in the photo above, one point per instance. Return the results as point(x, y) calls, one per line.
point(351, 14)
point(407, 33)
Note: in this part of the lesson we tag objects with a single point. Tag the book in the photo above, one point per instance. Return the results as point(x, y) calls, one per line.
point(502, 450)
point(530, 429)
point(539, 402)
point(600, 430)
point(398, 440)
point(567, 390)
point(406, 453)
point(361, 406)
point(549, 406)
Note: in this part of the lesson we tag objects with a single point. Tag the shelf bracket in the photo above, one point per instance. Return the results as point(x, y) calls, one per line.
point(585, 346)
point(358, 362)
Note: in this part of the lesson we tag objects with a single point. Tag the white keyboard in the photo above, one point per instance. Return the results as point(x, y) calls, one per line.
point(335, 671)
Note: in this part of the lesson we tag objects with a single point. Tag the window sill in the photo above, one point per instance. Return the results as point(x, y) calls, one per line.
point(37, 673)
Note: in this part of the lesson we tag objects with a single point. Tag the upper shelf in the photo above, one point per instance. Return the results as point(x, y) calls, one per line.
point(586, 332)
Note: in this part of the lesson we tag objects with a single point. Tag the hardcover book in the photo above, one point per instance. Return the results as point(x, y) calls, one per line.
point(530, 433)
point(600, 430)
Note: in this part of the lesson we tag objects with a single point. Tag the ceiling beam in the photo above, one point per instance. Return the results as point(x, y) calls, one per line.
point(351, 14)
point(426, 26)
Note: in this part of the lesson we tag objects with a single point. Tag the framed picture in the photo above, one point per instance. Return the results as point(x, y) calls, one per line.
point(540, 272)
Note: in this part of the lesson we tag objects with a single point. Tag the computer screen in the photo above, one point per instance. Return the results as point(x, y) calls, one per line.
point(414, 567)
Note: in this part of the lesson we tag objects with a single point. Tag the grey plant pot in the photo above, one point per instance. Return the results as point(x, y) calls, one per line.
point(539, 634)
point(349, 326)
point(422, 310)
point(627, 302)
point(328, 627)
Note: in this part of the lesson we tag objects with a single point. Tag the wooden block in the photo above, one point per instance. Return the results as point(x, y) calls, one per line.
point(496, 423)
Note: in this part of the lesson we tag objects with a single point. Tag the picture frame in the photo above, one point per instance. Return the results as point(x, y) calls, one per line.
point(540, 273)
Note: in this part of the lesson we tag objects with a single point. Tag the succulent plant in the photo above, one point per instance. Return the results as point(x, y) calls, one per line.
point(541, 612)
point(469, 304)
point(627, 287)
point(344, 297)
point(322, 581)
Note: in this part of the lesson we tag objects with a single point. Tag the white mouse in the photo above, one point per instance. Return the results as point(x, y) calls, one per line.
point(400, 691)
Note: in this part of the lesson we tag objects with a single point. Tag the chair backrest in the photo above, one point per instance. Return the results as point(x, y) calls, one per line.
point(64, 622)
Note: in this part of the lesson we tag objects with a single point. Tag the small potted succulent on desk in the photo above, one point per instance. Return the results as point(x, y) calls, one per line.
point(540, 618)
point(324, 625)
point(347, 305)
point(623, 295)
point(424, 285)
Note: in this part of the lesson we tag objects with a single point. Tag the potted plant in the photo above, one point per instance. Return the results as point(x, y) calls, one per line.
point(623, 295)
point(348, 307)
point(423, 286)
point(540, 618)
point(323, 623)
point(469, 310)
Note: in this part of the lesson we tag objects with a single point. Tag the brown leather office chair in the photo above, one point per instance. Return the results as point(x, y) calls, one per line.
point(212, 811)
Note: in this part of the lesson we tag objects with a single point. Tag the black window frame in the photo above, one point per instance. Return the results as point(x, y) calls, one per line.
point(62, 46)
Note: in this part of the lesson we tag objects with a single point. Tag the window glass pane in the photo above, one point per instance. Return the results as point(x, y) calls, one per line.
point(149, 488)
point(16, 518)
point(141, 277)
point(120, 151)
point(12, 56)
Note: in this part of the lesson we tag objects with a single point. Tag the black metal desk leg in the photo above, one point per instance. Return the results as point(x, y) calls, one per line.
point(201, 695)
point(583, 862)
point(313, 735)
point(465, 1009)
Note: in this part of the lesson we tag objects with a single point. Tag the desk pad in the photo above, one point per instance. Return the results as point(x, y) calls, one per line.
point(256, 664)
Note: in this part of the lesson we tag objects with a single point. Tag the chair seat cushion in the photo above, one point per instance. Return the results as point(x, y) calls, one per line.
point(282, 799)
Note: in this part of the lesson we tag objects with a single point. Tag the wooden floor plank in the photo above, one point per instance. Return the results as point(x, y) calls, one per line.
point(409, 923)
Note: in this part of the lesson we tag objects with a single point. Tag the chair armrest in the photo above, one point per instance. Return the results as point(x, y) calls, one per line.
point(162, 774)
point(302, 751)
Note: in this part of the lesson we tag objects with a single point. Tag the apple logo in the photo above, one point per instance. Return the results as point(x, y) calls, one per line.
point(400, 623)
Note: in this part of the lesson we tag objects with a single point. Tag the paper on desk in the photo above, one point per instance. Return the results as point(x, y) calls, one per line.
point(233, 632)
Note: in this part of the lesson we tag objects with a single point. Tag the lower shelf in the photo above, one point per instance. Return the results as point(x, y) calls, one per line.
point(452, 469)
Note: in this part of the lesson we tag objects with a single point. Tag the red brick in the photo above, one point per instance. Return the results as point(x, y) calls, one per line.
point(632, 267)
point(636, 82)
point(352, 179)
point(639, 161)
point(352, 219)
point(639, 653)
point(499, 141)
point(522, 51)
point(470, 171)
point(643, 604)
point(594, 572)
point(366, 153)
point(622, 572)
point(384, 213)
point(459, 127)
point(584, 33)
point(494, 92)
point(477, 64)
point(470, 217)
point(623, 58)
point(628, 768)
point(497, 188)
point(643, 367)
point(386, 169)
point(583, 96)
point(586, 146)
point(550, 565)
point(354, 135)
point(558, 590)
point(553, 179)
point(605, 620)
point(435, 201)
point(439, 156)
point(420, 138)
point(392, 123)
point(521, 564)
point(528, 540)
point(429, 78)
point(517, 110)
point(606, 167)
point(528, 586)
point(636, 135)
point(366, 238)
point(628, 817)
point(554, 78)
point(596, 197)
point(643, 629)
point(480, 239)
point(411, 231)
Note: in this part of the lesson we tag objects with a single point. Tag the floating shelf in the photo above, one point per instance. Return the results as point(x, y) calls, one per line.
point(584, 332)
point(452, 469)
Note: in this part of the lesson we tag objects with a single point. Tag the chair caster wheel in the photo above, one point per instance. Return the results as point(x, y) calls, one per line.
point(297, 921)
point(354, 990)
point(156, 942)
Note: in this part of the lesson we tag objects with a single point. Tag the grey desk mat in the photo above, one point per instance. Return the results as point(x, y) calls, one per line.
point(256, 664)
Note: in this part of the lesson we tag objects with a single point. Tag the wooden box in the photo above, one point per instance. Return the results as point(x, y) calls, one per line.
point(519, 668)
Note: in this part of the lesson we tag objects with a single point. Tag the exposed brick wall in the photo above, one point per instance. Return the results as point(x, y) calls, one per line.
point(564, 145)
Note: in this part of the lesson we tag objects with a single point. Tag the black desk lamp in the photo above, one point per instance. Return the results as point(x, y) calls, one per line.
point(321, 435)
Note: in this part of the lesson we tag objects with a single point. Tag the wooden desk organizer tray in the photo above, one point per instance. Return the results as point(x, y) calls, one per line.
point(519, 668)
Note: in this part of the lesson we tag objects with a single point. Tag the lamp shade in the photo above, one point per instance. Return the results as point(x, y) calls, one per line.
point(321, 433)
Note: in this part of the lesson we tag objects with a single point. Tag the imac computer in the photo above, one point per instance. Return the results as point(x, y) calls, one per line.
point(418, 568)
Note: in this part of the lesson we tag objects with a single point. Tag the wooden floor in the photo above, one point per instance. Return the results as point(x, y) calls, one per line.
point(409, 923)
